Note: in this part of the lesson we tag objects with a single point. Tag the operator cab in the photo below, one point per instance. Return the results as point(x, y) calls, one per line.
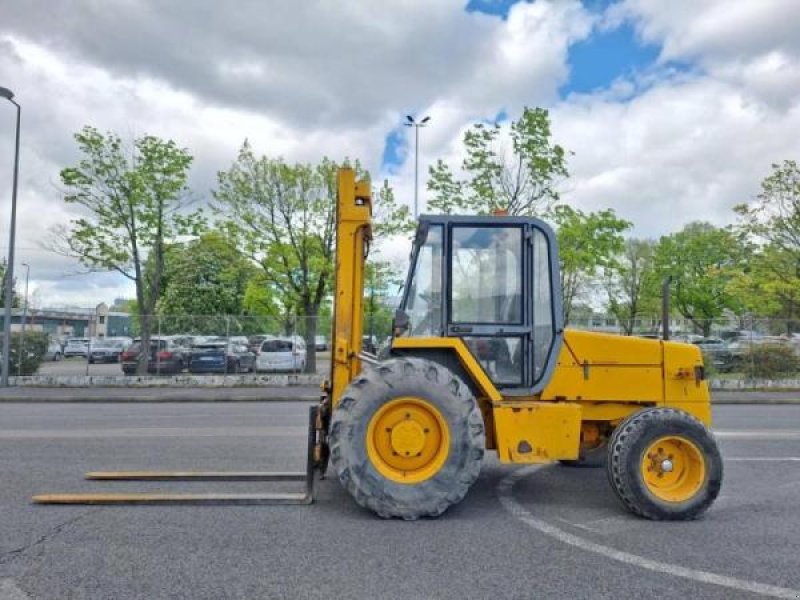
point(493, 282)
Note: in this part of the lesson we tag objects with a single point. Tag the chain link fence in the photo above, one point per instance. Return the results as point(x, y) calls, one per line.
point(206, 345)
point(736, 348)
point(733, 348)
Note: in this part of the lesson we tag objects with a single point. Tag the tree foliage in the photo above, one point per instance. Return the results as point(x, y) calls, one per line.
point(207, 276)
point(134, 201)
point(519, 175)
point(15, 300)
point(702, 260)
point(380, 279)
point(587, 243)
point(771, 284)
point(283, 217)
point(632, 287)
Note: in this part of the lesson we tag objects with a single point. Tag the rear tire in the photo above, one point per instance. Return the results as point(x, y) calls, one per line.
point(456, 452)
point(663, 464)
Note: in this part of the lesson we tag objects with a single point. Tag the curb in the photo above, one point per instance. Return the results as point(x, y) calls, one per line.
point(181, 399)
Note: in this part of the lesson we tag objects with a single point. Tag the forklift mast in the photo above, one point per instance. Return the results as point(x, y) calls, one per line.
point(353, 236)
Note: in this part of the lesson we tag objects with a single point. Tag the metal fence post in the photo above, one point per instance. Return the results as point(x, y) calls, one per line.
point(158, 346)
point(227, 341)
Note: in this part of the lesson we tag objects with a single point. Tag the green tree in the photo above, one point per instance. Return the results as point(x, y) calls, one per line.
point(15, 303)
point(283, 216)
point(202, 278)
point(379, 281)
point(632, 287)
point(702, 260)
point(772, 221)
point(522, 179)
point(134, 202)
point(587, 243)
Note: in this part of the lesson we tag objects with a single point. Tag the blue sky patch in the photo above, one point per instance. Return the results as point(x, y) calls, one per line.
point(393, 150)
point(606, 55)
point(498, 8)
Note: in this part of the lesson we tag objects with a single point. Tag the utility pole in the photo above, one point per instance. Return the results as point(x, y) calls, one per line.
point(9, 299)
point(410, 122)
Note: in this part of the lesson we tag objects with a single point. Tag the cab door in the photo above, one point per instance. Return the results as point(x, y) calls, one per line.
point(488, 299)
point(502, 299)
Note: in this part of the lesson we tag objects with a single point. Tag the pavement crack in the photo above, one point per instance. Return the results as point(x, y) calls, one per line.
point(11, 555)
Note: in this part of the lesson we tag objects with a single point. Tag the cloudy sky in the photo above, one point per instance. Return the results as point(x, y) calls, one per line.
point(674, 110)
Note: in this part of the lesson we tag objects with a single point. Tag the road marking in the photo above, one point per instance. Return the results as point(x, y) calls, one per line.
point(606, 525)
point(764, 459)
point(505, 494)
point(150, 432)
point(10, 591)
point(758, 434)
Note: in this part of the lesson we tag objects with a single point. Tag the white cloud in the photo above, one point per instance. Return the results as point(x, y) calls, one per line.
point(690, 146)
point(297, 80)
point(306, 80)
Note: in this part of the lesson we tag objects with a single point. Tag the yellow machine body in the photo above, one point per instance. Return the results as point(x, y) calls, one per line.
point(598, 380)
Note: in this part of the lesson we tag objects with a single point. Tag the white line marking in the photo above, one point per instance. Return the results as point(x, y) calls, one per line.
point(762, 434)
point(763, 459)
point(154, 432)
point(505, 494)
point(606, 525)
point(10, 591)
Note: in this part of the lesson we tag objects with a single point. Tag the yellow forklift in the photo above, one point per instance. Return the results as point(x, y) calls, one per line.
point(479, 360)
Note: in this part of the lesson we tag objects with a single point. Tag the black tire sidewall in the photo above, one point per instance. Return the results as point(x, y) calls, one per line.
point(436, 386)
point(625, 470)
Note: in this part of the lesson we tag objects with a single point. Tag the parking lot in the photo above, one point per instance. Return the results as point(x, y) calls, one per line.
point(523, 532)
point(80, 366)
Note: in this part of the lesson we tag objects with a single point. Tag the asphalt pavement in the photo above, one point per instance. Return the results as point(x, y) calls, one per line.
point(273, 393)
point(544, 532)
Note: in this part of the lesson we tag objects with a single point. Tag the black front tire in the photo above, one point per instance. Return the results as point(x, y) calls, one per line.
point(366, 395)
point(627, 450)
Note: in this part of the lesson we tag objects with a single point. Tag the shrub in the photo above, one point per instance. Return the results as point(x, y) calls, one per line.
point(770, 361)
point(33, 355)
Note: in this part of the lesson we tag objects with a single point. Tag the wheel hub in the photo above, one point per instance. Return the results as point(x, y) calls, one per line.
point(673, 468)
point(408, 440)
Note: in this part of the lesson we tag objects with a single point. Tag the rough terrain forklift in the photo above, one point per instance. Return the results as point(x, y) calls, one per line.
point(479, 360)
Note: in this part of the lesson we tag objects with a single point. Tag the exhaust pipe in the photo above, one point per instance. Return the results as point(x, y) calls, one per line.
point(665, 307)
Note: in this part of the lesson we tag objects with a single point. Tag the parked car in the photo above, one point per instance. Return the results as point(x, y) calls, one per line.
point(165, 356)
point(76, 347)
point(282, 354)
point(717, 352)
point(254, 342)
point(221, 357)
point(107, 350)
point(321, 342)
point(54, 351)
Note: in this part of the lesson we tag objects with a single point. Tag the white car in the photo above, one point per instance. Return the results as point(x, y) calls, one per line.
point(281, 354)
point(77, 347)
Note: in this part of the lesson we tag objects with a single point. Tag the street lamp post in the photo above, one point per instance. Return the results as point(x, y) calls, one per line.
point(24, 318)
point(9, 95)
point(410, 122)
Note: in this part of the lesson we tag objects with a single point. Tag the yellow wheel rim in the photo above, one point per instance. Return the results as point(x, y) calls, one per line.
point(673, 468)
point(408, 440)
